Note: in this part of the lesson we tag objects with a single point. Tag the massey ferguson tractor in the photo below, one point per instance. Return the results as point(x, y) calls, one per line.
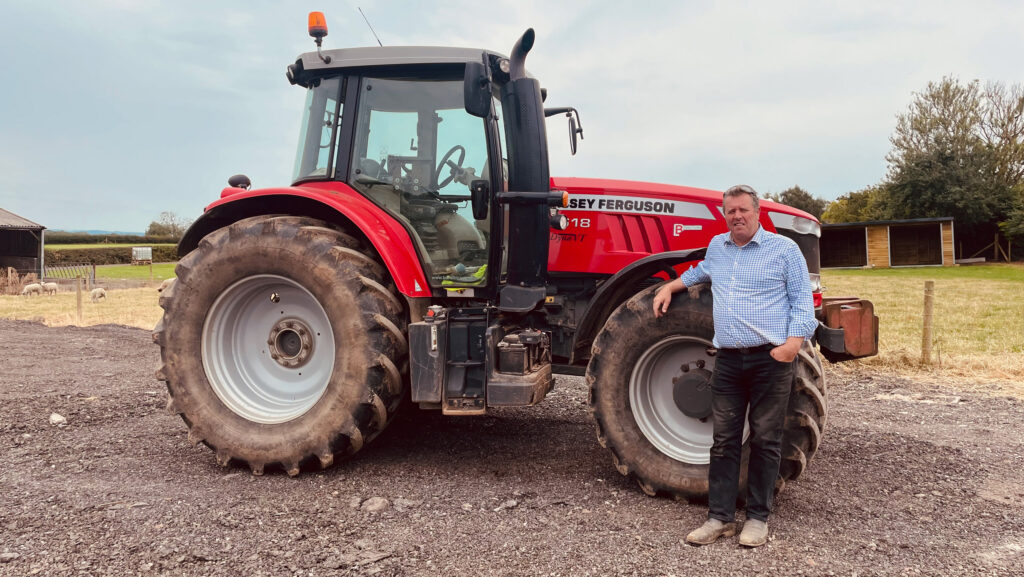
point(423, 256)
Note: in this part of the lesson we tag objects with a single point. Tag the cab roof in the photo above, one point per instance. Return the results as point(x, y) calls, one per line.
point(392, 56)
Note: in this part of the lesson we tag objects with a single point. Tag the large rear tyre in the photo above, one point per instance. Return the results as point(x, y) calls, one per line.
point(282, 344)
point(650, 394)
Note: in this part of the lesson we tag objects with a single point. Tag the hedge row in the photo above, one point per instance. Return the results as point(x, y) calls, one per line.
point(112, 255)
point(85, 238)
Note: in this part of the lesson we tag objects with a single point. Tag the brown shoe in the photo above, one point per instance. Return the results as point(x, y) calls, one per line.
point(754, 534)
point(710, 531)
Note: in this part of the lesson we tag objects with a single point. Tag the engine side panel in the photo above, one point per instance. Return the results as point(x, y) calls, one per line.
point(614, 223)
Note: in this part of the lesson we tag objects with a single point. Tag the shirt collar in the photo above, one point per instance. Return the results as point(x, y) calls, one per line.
point(757, 239)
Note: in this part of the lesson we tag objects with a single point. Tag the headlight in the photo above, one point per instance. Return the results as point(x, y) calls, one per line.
point(816, 283)
point(797, 224)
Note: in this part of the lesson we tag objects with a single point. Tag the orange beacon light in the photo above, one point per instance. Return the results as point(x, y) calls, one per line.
point(317, 26)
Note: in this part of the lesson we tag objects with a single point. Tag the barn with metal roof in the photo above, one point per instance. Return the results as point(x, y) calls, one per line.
point(21, 243)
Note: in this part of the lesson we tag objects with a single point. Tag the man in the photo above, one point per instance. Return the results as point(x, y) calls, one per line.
point(763, 312)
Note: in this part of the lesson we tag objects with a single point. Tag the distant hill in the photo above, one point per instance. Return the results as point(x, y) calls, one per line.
point(100, 232)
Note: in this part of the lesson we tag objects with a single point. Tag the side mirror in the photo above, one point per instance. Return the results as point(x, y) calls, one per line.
point(572, 135)
point(479, 193)
point(477, 89)
point(575, 125)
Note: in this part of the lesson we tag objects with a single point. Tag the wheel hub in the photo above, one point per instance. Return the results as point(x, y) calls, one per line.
point(691, 392)
point(670, 397)
point(291, 343)
point(268, 348)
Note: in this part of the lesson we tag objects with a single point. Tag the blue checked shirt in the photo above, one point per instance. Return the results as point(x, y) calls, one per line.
point(762, 292)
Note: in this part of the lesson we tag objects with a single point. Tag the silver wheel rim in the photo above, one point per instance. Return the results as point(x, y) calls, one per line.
point(675, 434)
point(268, 349)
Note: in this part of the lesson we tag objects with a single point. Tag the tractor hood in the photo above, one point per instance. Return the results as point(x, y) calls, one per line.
point(651, 190)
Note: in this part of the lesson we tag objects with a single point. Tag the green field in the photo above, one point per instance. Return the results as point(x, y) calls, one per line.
point(996, 272)
point(100, 245)
point(161, 271)
point(978, 328)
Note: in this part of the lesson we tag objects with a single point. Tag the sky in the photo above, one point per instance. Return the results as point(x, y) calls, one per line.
point(113, 111)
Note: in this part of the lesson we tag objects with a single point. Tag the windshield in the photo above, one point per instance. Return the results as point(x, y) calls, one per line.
point(416, 153)
point(320, 122)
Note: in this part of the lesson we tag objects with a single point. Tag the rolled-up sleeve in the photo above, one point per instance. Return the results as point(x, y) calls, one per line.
point(695, 275)
point(798, 290)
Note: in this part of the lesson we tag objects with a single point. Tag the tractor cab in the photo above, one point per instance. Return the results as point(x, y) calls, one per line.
point(402, 138)
point(422, 133)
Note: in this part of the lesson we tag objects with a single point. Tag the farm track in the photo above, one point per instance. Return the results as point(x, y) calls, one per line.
point(909, 480)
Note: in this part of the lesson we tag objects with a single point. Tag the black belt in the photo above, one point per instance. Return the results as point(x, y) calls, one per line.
point(749, 350)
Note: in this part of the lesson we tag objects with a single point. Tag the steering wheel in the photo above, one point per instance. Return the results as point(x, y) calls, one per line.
point(455, 165)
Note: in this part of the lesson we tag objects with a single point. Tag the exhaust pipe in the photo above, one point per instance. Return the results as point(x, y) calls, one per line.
point(517, 62)
point(529, 185)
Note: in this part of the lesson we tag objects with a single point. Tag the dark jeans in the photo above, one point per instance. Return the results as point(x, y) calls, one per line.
point(762, 383)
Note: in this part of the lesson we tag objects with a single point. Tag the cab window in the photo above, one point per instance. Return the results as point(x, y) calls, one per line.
point(416, 152)
point(320, 123)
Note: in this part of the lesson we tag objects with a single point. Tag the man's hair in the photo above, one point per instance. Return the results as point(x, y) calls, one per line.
point(740, 190)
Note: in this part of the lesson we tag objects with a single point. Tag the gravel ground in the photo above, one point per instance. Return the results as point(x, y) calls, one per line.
point(910, 479)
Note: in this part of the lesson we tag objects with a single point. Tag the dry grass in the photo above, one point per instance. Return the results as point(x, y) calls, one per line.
point(978, 328)
point(136, 307)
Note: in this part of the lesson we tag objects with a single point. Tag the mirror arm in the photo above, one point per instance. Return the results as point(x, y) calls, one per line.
point(548, 112)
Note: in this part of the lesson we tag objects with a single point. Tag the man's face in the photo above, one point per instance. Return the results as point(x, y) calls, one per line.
point(741, 217)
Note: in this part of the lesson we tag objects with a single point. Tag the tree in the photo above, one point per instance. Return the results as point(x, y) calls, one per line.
point(800, 198)
point(1004, 131)
point(958, 151)
point(168, 224)
point(1013, 227)
point(860, 206)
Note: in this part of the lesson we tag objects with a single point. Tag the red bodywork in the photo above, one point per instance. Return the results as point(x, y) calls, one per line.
point(611, 224)
point(604, 237)
point(610, 228)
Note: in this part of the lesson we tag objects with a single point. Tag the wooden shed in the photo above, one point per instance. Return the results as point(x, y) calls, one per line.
point(888, 243)
point(21, 243)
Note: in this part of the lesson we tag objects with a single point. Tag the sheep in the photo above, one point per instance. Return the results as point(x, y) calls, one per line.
point(32, 289)
point(50, 288)
point(98, 294)
point(165, 285)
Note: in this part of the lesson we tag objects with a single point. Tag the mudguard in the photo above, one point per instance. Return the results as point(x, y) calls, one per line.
point(330, 201)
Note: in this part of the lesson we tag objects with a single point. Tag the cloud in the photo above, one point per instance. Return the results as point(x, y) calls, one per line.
point(144, 106)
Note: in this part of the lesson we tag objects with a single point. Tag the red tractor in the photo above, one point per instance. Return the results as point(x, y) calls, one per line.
point(423, 254)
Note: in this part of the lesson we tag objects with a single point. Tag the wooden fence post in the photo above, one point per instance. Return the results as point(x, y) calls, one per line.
point(926, 333)
point(78, 297)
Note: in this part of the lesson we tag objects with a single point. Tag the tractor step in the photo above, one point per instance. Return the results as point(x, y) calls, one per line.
point(464, 406)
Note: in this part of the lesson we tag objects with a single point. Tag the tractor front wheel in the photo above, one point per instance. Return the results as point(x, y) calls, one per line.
point(282, 343)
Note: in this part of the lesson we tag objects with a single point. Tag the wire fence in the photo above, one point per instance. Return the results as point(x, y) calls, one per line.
point(12, 280)
point(71, 271)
